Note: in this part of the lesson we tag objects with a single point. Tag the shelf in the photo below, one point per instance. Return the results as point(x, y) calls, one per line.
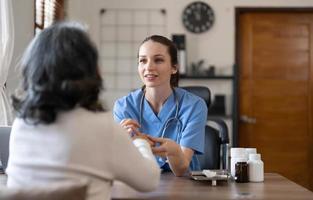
point(222, 77)
point(219, 116)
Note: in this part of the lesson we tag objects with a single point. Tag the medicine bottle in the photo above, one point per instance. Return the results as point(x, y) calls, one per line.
point(237, 154)
point(241, 174)
point(256, 168)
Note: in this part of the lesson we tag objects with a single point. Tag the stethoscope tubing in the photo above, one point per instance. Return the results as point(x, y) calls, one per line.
point(166, 125)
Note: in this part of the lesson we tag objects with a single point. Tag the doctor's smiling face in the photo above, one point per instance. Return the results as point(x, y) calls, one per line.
point(156, 65)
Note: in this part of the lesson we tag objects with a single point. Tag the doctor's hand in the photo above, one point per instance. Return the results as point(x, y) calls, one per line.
point(131, 126)
point(166, 147)
point(178, 157)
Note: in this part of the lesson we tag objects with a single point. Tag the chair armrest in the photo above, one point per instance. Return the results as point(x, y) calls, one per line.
point(223, 130)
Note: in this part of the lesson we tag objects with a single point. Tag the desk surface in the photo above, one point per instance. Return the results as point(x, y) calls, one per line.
point(274, 187)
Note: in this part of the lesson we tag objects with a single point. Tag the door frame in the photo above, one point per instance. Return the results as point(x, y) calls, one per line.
point(239, 11)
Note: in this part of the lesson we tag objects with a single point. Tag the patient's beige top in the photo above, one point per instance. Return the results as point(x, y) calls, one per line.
point(80, 146)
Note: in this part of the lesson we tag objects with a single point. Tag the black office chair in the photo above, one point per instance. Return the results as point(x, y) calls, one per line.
point(216, 140)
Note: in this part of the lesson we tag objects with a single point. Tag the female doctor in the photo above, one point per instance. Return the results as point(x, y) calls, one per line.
point(170, 118)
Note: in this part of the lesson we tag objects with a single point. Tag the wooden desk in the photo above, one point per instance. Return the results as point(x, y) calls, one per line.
point(274, 187)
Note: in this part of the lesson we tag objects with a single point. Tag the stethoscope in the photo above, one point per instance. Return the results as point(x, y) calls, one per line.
point(168, 122)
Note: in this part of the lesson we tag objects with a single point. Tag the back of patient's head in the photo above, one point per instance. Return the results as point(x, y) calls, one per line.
point(60, 72)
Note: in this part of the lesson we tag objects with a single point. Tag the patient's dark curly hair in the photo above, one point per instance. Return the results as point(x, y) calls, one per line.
point(60, 72)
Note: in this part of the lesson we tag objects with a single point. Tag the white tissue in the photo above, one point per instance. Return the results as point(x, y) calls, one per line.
point(209, 173)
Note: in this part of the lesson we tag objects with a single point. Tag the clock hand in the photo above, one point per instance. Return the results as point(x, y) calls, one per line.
point(197, 15)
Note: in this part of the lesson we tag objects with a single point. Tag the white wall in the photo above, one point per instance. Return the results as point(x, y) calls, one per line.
point(23, 11)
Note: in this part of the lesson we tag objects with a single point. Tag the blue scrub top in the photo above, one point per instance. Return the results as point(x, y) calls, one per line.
point(192, 114)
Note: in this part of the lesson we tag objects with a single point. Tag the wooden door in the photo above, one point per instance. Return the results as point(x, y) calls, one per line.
point(275, 91)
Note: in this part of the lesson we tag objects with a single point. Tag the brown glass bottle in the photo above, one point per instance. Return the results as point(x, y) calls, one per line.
point(241, 172)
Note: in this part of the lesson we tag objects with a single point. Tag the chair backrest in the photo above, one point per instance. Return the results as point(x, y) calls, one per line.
point(4, 145)
point(216, 140)
point(68, 191)
point(200, 91)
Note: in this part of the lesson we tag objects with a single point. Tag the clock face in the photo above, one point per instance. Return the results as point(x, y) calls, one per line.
point(198, 17)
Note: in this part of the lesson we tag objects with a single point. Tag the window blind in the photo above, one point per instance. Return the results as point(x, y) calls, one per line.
point(47, 12)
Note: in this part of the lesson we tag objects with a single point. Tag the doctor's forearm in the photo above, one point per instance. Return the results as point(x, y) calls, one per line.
point(178, 163)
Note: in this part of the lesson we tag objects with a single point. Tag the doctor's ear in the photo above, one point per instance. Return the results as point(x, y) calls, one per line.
point(174, 69)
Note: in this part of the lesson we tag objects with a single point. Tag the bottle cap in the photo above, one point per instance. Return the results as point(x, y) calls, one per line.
point(238, 152)
point(255, 156)
point(250, 150)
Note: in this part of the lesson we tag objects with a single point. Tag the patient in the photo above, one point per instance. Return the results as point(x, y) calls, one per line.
point(61, 132)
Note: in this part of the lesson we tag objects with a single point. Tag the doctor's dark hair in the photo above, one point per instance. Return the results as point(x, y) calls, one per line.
point(60, 72)
point(172, 50)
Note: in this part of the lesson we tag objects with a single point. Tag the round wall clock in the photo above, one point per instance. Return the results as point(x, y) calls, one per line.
point(198, 17)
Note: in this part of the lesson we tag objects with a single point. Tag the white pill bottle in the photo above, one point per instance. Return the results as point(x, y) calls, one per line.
point(255, 168)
